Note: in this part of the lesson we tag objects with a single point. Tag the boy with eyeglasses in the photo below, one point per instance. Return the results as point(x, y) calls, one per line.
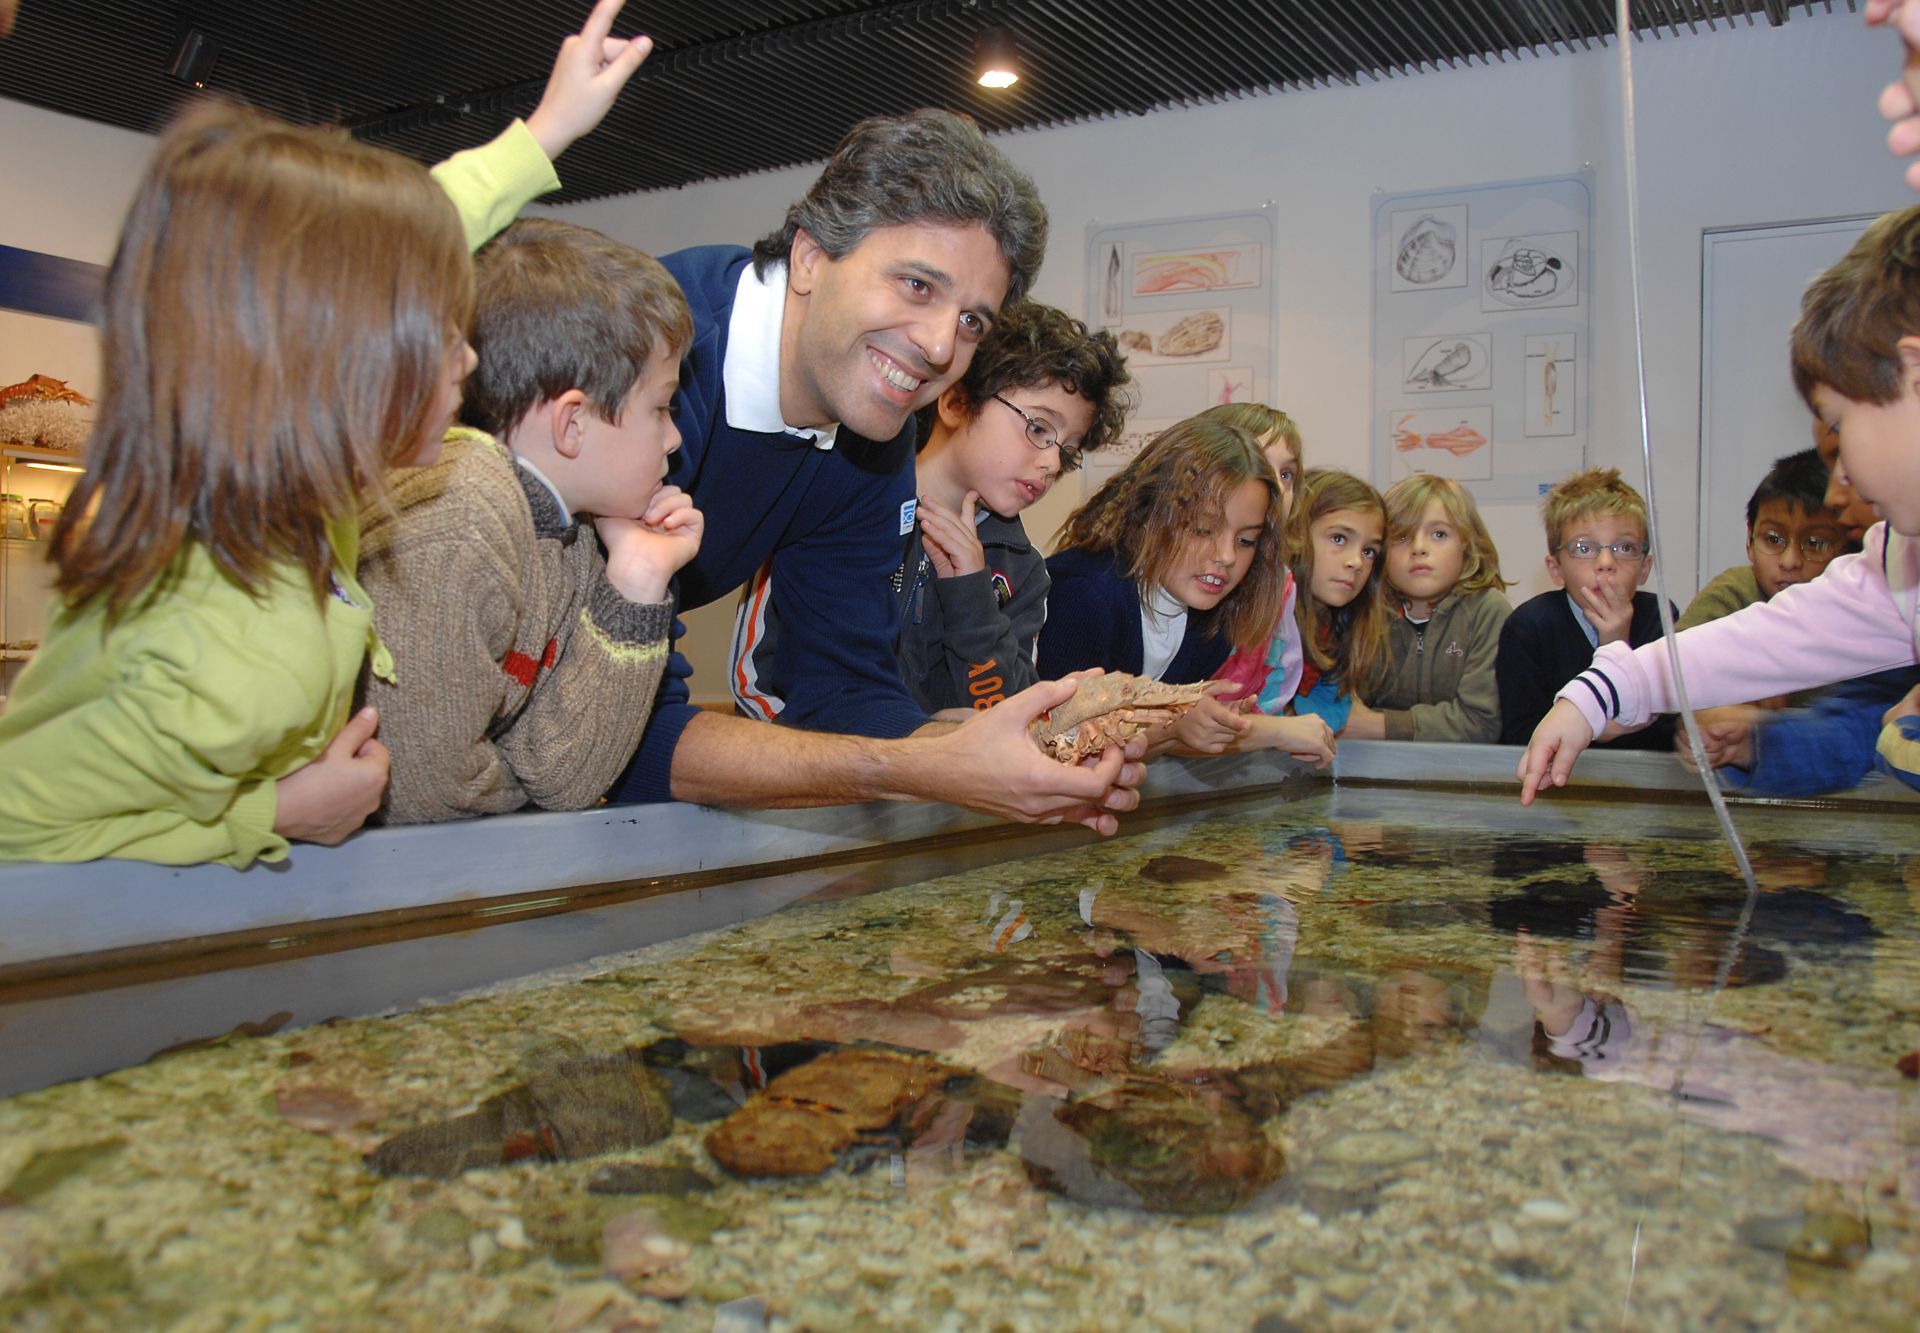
point(1597, 554)
point(1791, 535)
point(1043, 391)
point(971, 589)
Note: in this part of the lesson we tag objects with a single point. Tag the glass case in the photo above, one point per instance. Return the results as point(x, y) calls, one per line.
point(34, 485)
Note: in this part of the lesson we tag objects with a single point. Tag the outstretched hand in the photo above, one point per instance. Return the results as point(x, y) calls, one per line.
point(328, 798)
point(587, 77)
point(1557, 742)
point(990, 763)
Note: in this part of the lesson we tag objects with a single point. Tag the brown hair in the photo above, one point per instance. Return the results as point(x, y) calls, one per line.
point(1148, 513)
point(1407, 500)
point(1261, 422)
point(278, 320)
point(1585, 495)
point(1033, 345)
point(1348, 641)
point(1854, 315)
point(926, 166)
point(560, 307)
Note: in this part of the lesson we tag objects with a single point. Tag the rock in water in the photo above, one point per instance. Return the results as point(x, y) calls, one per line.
point(800, 1122)
point(570, 1108)
point(1181, 870)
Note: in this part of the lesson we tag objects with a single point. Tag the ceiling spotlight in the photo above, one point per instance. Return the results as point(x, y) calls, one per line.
point(193, 62)
point(995, 59)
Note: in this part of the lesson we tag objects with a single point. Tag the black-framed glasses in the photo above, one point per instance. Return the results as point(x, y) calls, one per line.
point(1627, 553)
point(1812, 547)
point(1042, 437)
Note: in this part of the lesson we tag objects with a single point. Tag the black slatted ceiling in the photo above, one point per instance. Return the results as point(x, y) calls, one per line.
point(755, 84)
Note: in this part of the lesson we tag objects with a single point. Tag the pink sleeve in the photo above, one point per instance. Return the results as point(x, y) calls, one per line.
point(1848, 622)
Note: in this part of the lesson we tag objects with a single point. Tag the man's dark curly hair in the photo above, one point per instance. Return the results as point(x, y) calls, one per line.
point(927, 166)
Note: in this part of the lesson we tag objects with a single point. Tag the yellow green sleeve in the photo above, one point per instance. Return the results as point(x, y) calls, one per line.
point(172, 762)
point(489, 185)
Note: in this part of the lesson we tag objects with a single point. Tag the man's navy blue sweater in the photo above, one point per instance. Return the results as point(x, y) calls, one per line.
point(829, 519)
point(1093, 620)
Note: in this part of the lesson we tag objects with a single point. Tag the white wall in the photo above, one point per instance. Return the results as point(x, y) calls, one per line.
point(1749, 126)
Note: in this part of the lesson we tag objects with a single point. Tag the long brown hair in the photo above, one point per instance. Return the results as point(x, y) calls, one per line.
point(1348, 641)
point(1148, 513)
point(278, 318)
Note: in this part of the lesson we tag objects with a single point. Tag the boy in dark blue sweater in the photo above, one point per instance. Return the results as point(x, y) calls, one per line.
point(1597, 552)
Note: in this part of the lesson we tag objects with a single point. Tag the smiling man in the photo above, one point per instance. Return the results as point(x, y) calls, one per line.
point(809, 357)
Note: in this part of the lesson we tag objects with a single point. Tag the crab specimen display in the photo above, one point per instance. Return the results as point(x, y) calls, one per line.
point(799, 1123)
point(1111, 710)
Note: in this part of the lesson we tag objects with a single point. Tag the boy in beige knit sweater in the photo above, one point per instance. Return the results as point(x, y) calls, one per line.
point(527, 662)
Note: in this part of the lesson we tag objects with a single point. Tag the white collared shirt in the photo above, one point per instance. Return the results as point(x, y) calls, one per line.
point(1586, 626)
point(751, 371)
point(1163, 624)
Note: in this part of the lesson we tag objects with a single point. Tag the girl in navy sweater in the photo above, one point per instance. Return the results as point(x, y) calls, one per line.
point(1172, 564)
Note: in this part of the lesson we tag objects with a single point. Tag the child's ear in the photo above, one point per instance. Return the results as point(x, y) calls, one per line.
point(1646, 569)
point(567, 420)
point(1909, 349)
point(1554, 572)
point(953, 408)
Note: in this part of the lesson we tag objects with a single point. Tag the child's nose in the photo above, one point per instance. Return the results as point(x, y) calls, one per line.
point(1789, 557)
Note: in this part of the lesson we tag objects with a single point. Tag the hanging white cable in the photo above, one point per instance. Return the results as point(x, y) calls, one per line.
point(1623, 34)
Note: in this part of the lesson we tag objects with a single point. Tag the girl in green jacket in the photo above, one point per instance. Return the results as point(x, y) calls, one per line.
point(283, 322)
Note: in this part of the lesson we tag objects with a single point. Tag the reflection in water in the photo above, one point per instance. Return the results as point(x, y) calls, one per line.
point(1348, 1063)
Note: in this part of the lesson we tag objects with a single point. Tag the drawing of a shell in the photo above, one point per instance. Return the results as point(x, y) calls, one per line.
point(1199, 332)
point(1525, 274)
point(1133, 340)
point(1426, 251)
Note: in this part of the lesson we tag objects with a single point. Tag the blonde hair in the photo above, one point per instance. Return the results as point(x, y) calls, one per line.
point(1586, 495)
point(277, 325)
point(1408, 499)
point(1260, 421)
point(1147, 513)
point(1346, 641)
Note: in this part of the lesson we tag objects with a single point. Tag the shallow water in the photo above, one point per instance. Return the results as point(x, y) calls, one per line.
point(1368, 1059)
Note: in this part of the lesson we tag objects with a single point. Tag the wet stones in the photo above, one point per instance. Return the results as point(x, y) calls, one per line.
point(1380, 1149)
point(567, 1109)
point(1181, 870)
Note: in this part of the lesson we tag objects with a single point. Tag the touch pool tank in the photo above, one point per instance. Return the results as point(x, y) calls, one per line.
point(1371, 1058)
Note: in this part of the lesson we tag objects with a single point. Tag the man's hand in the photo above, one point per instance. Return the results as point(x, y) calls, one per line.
point(1557, 742)
point(952, 540)
point(1608, 606)
point(643, 554)
point(329, 798)
point(588, 74)
point(990, 763)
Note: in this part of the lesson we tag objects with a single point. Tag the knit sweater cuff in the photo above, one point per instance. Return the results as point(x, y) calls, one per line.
point(1399, 723)
point(625, 623)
